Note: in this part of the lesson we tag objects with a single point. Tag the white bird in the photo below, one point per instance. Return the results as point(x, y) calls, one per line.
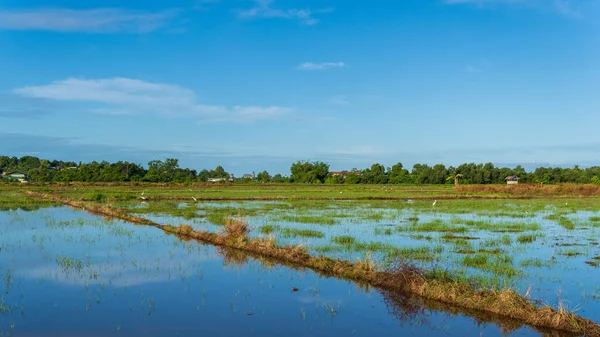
point(143, 192)
point(194, 199)
point(434, 202)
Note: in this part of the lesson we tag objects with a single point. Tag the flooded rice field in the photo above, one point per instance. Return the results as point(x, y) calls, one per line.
point(67, 272)
point(547, 250)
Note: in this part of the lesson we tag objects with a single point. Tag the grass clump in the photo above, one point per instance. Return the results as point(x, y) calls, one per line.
point(477, 260)
point(97, 197)
point(345, 240)
point(504, 240)
point(535, 262)
point(268, 229)
point(496, 264)
point(383, 231)
point(499, 227)
point(569, 252)
point(217, 219)
point(185, 229)
point(304, 233)
point(236, 229)
point(310, 219)
point(527, 238)
point(435, 226)
point(566, 223)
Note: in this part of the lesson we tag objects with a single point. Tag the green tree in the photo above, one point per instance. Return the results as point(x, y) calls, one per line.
point(309, 173)
point(399, 175)
point(263, 177)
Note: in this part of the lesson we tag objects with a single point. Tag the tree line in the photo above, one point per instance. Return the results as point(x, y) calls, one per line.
point(305, 172)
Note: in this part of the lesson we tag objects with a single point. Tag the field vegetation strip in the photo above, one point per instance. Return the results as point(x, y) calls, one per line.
point(401, 277)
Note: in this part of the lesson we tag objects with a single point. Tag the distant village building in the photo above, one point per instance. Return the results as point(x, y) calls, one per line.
point(512, 180)
point(20, 176)
point(249, 176)
point(343, 173)
point(216, 180)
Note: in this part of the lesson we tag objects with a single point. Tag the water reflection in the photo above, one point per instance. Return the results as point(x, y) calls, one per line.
point(66, 272)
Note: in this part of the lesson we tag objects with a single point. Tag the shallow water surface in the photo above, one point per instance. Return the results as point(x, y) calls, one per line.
point(68, 273)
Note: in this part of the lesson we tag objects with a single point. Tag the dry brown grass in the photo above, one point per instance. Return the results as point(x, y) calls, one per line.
point(401, 278)
point(534, 189)
point(236, 229)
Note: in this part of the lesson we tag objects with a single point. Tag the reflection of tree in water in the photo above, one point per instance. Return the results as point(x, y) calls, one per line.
point(17, 207)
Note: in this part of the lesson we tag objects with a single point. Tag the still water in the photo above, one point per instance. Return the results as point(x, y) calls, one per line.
point(68, 273)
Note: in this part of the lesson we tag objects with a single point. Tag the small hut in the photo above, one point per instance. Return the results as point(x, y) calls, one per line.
point(512, 180)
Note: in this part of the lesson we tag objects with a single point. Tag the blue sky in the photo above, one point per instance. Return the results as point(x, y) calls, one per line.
point(258, 84)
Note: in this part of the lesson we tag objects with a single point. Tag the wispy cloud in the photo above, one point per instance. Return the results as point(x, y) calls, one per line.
point(320, 66)
point(125, 96)
point(100, 20)
point(16, 107)
point(263, 10)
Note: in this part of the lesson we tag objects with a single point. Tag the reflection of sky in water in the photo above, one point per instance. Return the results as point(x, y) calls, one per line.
point(135, 280)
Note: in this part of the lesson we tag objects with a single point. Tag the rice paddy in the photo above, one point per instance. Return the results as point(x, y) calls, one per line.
point(540, 247)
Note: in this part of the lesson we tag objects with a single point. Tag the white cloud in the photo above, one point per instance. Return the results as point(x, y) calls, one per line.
point(320, 66)
point(263, 10)
point(100, 20)
point(124, 96)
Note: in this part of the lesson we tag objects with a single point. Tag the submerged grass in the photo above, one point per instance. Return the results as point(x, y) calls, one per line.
point(345, 240)
point(304, 233)
point(528, 238)
point(511, 227)
point(495, 263)
point(536, 262)
point(436, 225)
point(309, 219)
